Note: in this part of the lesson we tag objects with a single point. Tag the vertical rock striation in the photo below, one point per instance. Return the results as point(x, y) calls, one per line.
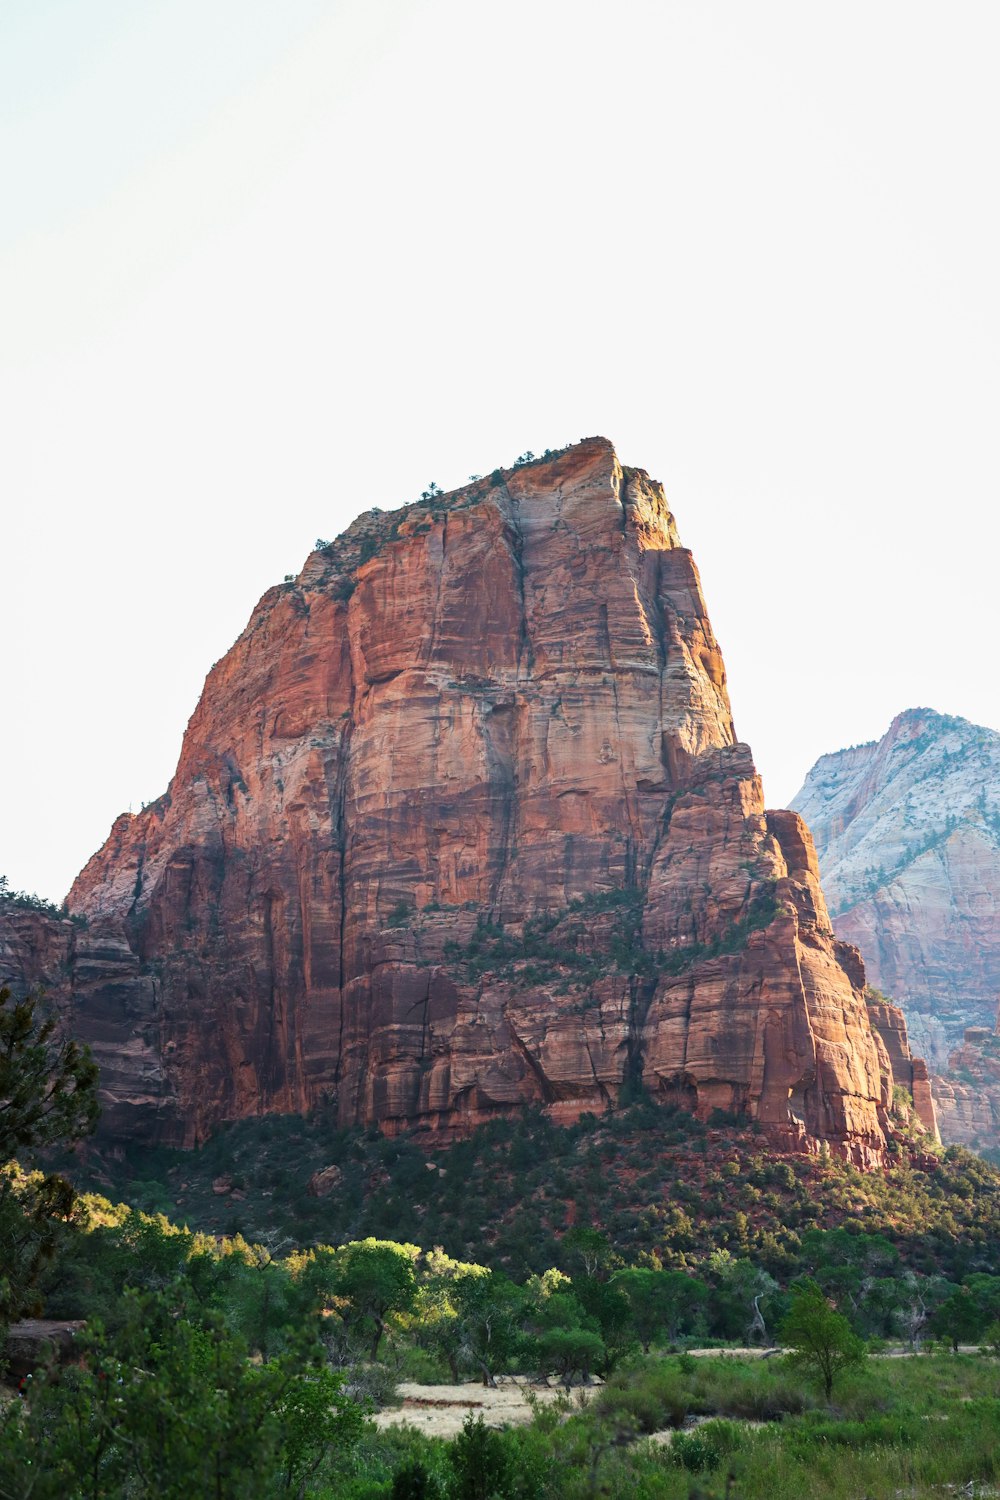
point(461, 824)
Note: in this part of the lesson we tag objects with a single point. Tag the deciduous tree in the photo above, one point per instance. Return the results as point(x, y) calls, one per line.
point(820, 1339)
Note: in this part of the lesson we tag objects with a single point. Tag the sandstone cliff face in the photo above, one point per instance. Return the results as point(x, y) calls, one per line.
point(92, 978)
point(908, 833)
point(967, 1094)
point(460, 824)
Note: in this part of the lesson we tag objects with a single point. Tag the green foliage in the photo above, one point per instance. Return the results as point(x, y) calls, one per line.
point(586, 1250)
point(375, 1278)
point(959, 1317)
point(182, 1399)
point(991, 1338)
point(607, 1305)
point(415, 1481)
point(48, 1087)
point(648, 1401)
point(490, 1312)
point(551, 948)
point(698, 1451)
point(651, 1179)
point(821, 1340)
point(740, 1298)
point(28, 901)
point(571, 1351)
point(315, 1416)
point(48, 1097)
point(480, 1462)
point(663, 1304)
point(170, 1405)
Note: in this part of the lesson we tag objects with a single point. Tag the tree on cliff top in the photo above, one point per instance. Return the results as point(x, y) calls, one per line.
point(48, 1097)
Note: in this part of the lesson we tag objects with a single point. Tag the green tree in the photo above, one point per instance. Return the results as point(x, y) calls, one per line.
point(569, 1351)
point(661, 1302)
point(607, 1303)
point(490, 1312)
point(172, 1408)
point(437, 1326)
point(986, 1291)
point(48, 1097)
point(315, 1417)
point(739, 1296)
point(958, 1318)
point(258, 1296)
point(48, 1086)
point(415, 1481)
point(586, 1250)
point(821, 1340)
point(376, 1278)
point(480, 1461)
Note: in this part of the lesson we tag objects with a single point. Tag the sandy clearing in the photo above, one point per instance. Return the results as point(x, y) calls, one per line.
point(440, 1410)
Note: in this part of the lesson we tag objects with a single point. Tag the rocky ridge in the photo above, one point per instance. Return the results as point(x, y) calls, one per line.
point(461, 824)
point(908, 834)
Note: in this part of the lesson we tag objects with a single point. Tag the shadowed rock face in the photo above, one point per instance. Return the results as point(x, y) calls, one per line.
point(461, 824)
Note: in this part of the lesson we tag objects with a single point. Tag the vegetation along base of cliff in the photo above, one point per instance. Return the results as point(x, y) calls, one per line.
point(655, 1181)
point(590, 1260)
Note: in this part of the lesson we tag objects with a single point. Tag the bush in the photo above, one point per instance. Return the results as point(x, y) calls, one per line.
point(652, 1398)
point(415, 1481)
point(991, 1339)
point(696, 1451)
point(480, 1462)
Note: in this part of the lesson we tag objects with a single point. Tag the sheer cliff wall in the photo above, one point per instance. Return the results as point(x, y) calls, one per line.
point(461, 824)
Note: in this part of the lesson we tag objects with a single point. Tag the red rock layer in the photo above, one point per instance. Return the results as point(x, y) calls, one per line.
point(461, 824)
point(889, 1025)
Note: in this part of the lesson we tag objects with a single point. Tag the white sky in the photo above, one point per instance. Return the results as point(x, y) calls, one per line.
point(263, 266)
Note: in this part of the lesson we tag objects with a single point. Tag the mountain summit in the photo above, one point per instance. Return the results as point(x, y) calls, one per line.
point(460, 825)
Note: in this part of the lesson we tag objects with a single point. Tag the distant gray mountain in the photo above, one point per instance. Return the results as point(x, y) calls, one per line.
point(907, 829)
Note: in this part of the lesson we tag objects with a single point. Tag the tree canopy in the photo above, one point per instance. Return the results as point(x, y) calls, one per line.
point(48, 1097)
point(820, 1339)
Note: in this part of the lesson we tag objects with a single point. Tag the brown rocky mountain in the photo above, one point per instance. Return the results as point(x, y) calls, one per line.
point(460, 824)
point(908, 834)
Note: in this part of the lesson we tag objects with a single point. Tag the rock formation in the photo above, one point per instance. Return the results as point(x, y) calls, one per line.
point(967, 1093)
point(908, 834)
point(461, 824)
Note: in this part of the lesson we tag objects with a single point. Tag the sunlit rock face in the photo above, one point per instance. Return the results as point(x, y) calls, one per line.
point(461, 824)
point(908, 833)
